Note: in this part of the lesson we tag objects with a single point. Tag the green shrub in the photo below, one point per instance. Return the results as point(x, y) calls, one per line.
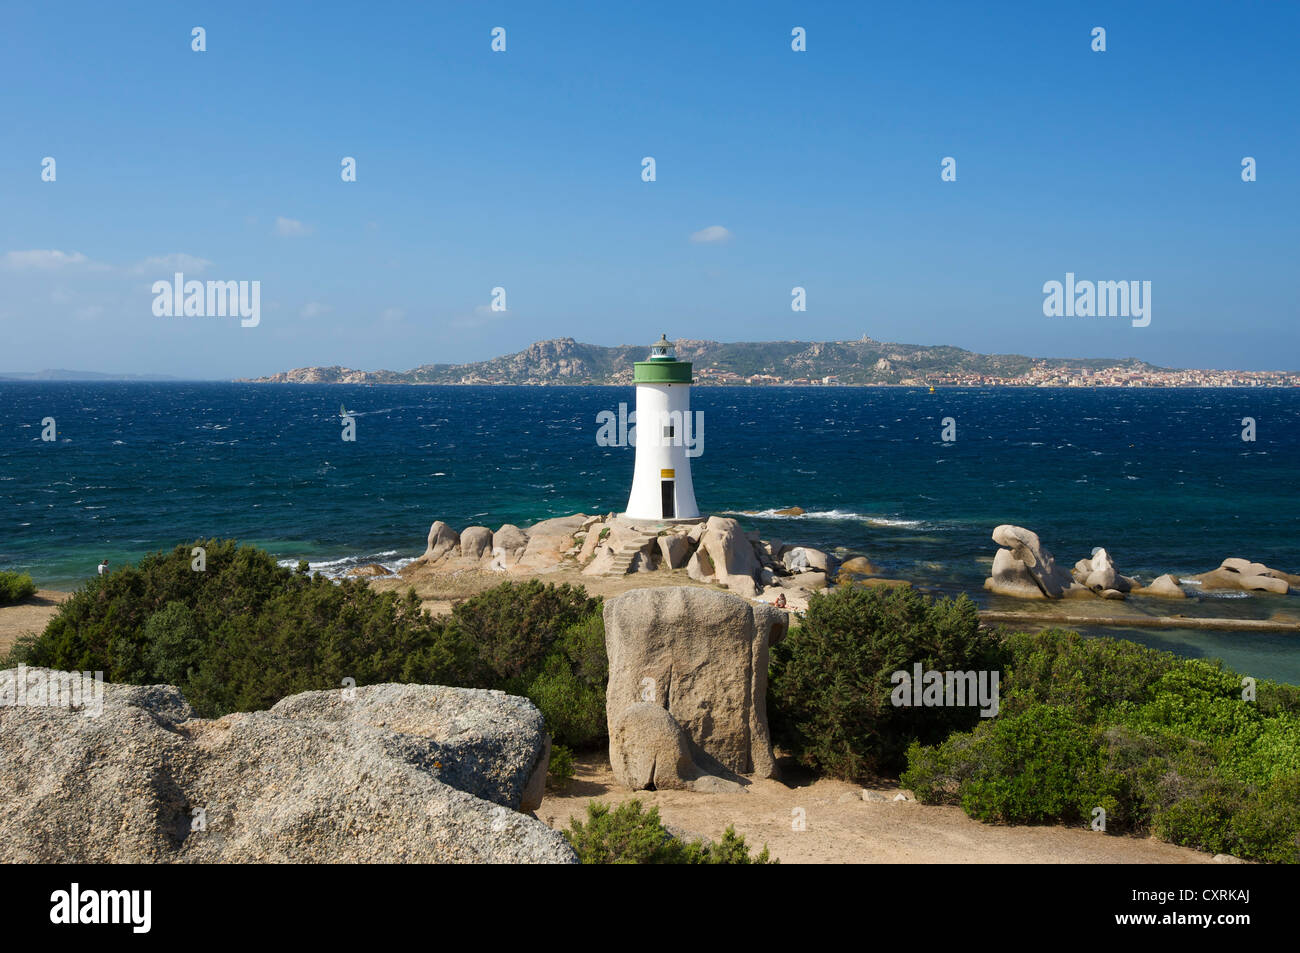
point(631, 835)
point(514, 625)
point(247, 632)
point(1038, 765)
point(831, 687)
point(560, 770)
point(1267, 825)
point(15, 587)
point(1057, 667)
point(173, 644)
point(1165, 745)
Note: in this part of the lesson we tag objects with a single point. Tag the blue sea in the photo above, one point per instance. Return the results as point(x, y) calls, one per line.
point(1161, 478)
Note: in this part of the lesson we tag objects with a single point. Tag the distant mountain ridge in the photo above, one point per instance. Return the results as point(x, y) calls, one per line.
point(864, 361)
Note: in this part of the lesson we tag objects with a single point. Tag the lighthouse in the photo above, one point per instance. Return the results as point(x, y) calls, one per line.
point(661, 482)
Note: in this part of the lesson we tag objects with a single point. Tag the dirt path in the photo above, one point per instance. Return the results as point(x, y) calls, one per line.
point(843, 828)
point(30, 615)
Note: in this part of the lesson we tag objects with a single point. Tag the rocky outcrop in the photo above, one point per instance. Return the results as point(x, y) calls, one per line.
point(475, 542)
point(548, 542)
point(674, 550)
point(1023, 568)
point(1165, 586)
point(700, 566)
point(1011, 577)
point(1028, 564)
point(485, 743)
point(648, 749)
point(382, 774)
point(734, 563)
point(1099, 574)
point(701, 656)
point(508, 544)
point(716, 550)
point(860, 566)
point(1237, 573)
point(371, 569)
point(807, 559)
point(443, 541)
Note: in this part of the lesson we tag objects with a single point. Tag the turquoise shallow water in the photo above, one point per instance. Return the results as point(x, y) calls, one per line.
point(1161, 478)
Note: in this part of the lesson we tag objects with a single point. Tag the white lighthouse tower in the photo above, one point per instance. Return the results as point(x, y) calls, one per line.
point(661, 482)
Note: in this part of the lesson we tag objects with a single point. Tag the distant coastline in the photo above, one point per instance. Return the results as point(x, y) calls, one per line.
point(58, 376)
point(864, 362)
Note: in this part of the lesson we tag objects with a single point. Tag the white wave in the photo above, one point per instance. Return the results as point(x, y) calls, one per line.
point(846, 515)
point(338, 568)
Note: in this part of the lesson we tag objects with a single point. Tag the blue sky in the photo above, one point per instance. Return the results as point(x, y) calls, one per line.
point(522, 170)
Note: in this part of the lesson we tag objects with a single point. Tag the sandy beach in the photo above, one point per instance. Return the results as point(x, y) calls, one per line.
point(29, 616)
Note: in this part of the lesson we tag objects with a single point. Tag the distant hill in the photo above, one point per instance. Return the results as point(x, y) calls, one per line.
point(58, 375)
point(865, 361)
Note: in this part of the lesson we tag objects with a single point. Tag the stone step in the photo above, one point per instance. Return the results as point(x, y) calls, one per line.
point(626, 554)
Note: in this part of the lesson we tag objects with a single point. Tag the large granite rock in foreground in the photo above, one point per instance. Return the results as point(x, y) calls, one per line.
point(700, 658)
point(398, 773)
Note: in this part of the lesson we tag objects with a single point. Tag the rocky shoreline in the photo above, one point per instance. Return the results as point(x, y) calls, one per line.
point(718, 551)
point(1024, 568)
point(712, 550)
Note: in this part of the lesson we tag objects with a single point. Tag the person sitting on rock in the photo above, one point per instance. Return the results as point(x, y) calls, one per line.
point(780, 601)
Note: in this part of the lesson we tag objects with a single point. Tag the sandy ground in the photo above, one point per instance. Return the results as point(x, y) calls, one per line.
point(842, 828)
point(28, 616)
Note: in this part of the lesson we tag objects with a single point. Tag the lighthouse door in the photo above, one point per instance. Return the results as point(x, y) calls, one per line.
point(666, 491)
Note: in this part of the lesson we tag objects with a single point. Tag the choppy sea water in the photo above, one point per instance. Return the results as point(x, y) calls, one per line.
point(1161, 478)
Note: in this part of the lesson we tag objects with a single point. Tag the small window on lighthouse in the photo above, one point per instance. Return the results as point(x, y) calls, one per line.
point(668, 432)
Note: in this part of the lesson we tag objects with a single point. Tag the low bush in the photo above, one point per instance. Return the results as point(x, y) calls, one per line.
point(15, 587)
point(629, 834)
point(1164, 745)
point(559, 771)
point(830, 697)
point(1025, 768)
point(246, 632)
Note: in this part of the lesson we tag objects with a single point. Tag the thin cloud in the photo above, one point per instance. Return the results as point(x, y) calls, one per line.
point(714, 233)
point(314, 309)
point(291, 228)
point(172, 263)
point(43, 259)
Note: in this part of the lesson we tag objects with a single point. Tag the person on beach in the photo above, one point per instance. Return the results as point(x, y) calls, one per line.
point(780, 601)
point(103, 567)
